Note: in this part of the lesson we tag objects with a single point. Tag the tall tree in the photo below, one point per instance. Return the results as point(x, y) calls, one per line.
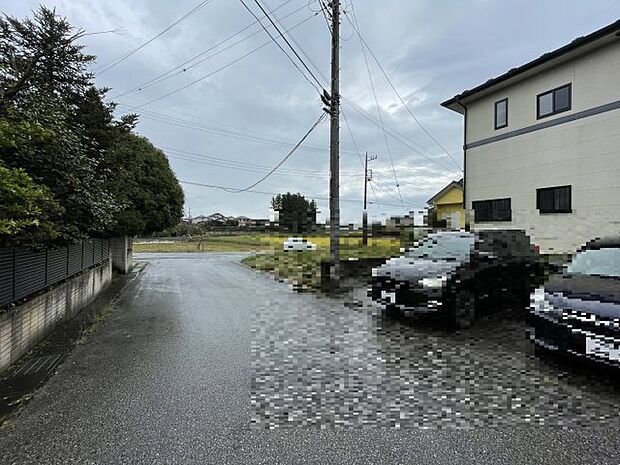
point(57, 129)
point(146, 185)
point(43, 72)
point(295, 213)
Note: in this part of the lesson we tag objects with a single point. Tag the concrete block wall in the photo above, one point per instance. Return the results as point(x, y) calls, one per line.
point(26, 324)
point(122, 253)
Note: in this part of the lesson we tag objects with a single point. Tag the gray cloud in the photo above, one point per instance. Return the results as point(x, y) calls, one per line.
point(430, 49)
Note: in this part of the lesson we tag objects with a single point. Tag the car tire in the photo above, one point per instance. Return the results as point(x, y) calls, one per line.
point(464, 309)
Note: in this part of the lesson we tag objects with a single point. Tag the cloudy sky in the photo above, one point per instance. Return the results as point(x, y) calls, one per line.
point(229, 115)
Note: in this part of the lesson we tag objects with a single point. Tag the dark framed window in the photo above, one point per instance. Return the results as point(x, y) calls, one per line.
point(501, 114)
point(554, 101)
point(554, 199)
point(492, 210)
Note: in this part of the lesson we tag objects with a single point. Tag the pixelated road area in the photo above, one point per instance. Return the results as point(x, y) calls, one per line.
point(317, 365)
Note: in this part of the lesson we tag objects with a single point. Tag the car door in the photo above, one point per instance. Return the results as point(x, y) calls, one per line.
point(485, 268)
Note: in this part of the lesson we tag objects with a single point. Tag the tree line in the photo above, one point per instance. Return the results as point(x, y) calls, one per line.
point(69, 168)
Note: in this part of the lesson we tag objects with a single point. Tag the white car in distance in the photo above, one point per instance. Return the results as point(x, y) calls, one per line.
point(298, 243)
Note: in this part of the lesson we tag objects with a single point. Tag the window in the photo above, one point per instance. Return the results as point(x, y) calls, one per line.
point(554, 199)
point(554, 101)
point(492, 210)
point(501, 114)
point(597, 262)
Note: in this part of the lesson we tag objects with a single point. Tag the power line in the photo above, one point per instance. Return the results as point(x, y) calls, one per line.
point(252, 191)
point(111, 64)
point(223, 131)
point(404, 140)
point(282, 49)
point(234, 164)
point(318, 121)
point(287, 42)
point(385, 138)
point(346, 120)
point(221, 68)
point(325, 11)
point(366, 46)
point(381, 123)
point(167, 74)
point(303, 52)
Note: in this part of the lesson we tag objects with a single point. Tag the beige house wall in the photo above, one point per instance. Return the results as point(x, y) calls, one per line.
point(584, 153)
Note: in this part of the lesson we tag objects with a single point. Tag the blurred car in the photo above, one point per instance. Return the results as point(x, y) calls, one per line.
point(298, 243)
point(449, 273)
point(577, 311)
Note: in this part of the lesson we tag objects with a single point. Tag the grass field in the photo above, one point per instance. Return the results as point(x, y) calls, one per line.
point(302, 268)
point(377, 247)
point(241, 243)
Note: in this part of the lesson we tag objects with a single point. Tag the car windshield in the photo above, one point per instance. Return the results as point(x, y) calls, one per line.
point(443, 247)
point(597, 262)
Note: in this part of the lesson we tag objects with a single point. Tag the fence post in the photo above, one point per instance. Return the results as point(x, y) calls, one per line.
point(82, 265)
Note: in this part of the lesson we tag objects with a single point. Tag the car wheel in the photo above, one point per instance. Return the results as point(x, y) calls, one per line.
point(464, 309)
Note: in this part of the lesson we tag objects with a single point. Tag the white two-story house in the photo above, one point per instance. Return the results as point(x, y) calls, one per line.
point(542, 145)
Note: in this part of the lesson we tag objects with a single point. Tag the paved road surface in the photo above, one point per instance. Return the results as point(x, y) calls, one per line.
point(205, 361)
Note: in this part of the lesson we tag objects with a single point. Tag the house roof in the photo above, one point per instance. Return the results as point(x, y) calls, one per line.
point(458, 184)
point(599, 37)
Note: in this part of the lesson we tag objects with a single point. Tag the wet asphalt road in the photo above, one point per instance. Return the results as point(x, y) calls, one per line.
point(205, 361)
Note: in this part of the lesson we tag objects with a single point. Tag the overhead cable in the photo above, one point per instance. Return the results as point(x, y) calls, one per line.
point(182, 68)
point(366, 46)
point(252, 191)
point(288, 155)
point(318, 89)
point(221, 68)
point(111, 64)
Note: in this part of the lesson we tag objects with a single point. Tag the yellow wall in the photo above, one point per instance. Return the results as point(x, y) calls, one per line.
point(451, 202)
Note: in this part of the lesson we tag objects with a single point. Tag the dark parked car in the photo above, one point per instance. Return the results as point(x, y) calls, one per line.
point(578, 311)
point(450, 273)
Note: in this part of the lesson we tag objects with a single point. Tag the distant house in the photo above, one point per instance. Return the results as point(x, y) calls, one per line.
point(258, 223)
point(397, 222)
point(448, 205)
point(242, 221)
point(542, 145)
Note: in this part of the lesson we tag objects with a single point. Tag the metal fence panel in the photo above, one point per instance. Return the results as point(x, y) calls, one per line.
point(89, 250)
point(6, 275)
point(75, 259)
point(30, 271)
point(56, 265)
point(98, 254)
point(24, 271)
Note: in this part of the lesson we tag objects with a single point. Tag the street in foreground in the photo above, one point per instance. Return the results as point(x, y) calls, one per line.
point(206, 361)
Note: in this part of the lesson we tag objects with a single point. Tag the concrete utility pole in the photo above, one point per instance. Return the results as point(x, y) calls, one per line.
point(334, 149)
point(367, 178)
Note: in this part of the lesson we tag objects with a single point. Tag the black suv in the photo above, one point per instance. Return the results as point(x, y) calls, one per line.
point(449, 273)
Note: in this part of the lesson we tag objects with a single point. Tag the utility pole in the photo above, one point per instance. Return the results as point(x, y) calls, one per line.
point(367, 178)
point(334, 149)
